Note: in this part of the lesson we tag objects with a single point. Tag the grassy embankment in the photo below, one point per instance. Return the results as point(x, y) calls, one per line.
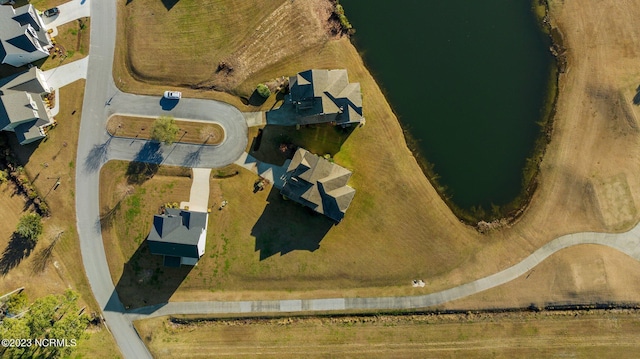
point(201, 133)
point(545, 334)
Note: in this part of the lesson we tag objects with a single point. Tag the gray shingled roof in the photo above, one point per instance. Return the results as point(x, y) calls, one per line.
point(16, 35)
point(176, 233)
point(22, 109)
point(318, 184)
point(325, 96)
point(21, 106)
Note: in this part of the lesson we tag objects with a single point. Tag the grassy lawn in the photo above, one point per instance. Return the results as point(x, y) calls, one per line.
point(546, 334)
point(202, 133)
point(246, 36)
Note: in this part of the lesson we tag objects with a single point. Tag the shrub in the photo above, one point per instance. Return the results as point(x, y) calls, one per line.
point(263, 90)
point(3, 176)
point(30, 226)
point(165, 130)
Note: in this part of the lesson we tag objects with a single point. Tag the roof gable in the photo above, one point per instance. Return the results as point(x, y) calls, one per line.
point(177, 232)
point(318, 184)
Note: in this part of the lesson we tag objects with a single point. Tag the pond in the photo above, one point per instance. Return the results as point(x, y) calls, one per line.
point(467, 79)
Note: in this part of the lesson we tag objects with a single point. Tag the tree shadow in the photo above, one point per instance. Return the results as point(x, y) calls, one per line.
point(193, 158)
point(146, 281)
point(18, 249)
point(42, 259)
point(146, 163)
point(97, 156)
point(168, 104)
point(286, 226)
point(636, 98)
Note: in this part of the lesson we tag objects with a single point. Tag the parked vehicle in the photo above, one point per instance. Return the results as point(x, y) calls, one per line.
point(51, 12)
point(173, 95)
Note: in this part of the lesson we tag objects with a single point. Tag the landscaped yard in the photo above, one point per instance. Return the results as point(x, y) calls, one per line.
point(201, 133)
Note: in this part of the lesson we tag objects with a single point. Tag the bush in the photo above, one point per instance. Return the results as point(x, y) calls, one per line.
point(263, 90)
point(3, 176)
point(30, 226)
point(343, 18)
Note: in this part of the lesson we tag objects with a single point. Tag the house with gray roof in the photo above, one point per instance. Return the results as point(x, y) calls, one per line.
point(178, 235)
point(321, 96)
point(22, 108)
point(23, 36)
point(318, 184)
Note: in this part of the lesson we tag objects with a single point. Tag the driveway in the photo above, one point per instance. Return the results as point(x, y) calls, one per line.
point(69, 11)
point(199, 195)
point(67, 73)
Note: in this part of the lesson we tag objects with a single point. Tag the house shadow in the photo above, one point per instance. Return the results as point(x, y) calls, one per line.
point(168, 104)
point(18, 249)
point(146, 163)
point(636, 98)
point(287, 226)
point(146, 281)
point(276, 143)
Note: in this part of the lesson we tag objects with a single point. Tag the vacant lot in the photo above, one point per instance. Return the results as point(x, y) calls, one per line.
point(545, 334)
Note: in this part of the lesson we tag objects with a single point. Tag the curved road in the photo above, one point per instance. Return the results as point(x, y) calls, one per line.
point(95, 147)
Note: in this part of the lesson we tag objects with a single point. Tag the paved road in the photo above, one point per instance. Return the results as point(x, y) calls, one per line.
point(95, 147)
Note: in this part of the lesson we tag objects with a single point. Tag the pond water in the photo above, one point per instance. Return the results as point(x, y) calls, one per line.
point(468, 80)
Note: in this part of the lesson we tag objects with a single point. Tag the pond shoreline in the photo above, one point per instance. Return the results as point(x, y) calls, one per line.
point(486, 219)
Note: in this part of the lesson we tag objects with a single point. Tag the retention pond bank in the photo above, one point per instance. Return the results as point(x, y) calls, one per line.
point(469, 81)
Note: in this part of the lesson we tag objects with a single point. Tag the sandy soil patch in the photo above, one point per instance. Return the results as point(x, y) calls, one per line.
point(615, 201)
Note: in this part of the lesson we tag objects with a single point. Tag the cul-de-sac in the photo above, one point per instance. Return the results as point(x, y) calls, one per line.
point(319, 178)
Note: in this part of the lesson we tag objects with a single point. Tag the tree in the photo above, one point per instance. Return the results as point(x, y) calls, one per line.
point(30, 226)
point(15, 328)
point(263, 90)
point(17, 303)
point(165, 130)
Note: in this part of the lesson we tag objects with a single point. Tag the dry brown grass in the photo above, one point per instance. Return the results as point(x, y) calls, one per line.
point(594, 334)
point(201, 133)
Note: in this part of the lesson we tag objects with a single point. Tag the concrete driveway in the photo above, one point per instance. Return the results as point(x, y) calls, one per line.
point(199, 195)
point(69, 11)
point(67, 73)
